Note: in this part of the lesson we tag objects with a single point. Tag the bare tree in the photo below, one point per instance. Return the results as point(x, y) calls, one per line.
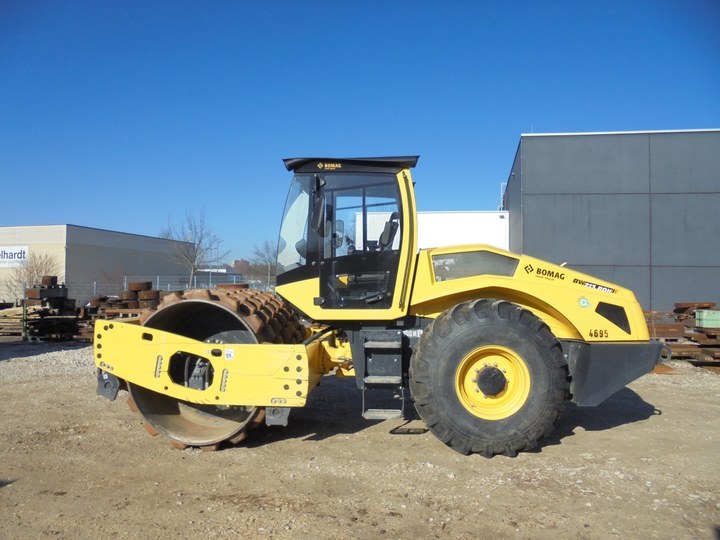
point(36, 266)
point(196, 246)
point(265, 256)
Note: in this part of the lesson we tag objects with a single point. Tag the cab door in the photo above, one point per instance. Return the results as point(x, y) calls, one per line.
point(361, 249)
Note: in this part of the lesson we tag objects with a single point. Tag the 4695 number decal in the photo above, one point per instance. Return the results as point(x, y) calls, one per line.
point(598, 333)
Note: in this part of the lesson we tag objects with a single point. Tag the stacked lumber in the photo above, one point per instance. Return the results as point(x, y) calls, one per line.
point(12, 319)
point(690, 331)
point(45, 313)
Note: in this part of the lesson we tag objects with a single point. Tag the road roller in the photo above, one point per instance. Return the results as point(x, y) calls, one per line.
point(485, 346)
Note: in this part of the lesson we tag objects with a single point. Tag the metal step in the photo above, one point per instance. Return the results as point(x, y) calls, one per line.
point(383, 344)
point(383, 379)
point(382, 414)
point(385, 408)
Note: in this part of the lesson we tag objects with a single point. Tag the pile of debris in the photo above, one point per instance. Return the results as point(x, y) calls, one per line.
point(127, 304)
point(46, 313)
point(138, 296)
point(691, 331)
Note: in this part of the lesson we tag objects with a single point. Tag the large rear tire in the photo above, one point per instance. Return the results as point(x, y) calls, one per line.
point(489, 377)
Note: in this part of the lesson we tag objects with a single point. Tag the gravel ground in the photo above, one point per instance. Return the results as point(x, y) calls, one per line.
point(644, 464)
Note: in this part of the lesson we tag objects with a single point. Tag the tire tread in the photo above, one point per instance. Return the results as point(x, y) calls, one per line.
point(432, 346)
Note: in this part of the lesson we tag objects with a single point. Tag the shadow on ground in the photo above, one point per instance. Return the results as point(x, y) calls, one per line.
point(335, 408)
point(623, 407)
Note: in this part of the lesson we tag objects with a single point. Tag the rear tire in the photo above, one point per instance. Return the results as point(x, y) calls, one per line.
point(489, 377)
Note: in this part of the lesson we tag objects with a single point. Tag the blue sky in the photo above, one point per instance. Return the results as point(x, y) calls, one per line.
point(124, 115)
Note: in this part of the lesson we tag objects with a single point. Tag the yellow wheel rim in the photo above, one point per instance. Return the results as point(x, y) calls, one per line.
point(510, 388)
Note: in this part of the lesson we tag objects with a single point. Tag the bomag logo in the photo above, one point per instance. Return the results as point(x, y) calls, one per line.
point(544, 272)
point(550, 273)
point(329, 166)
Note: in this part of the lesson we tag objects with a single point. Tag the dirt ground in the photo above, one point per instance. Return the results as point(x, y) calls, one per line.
point(74, 465)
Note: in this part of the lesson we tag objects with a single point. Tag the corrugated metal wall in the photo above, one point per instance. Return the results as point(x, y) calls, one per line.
point(639, 209)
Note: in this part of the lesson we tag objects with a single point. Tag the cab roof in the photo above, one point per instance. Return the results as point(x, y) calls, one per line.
point(368, 164)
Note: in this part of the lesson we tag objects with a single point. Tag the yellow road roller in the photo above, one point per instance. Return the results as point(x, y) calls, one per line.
point(487, 344)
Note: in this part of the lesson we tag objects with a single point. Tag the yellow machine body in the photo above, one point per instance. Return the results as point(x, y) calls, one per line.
point(283, 375)
point(248, 374)
point(564, 298)
point(262, 375)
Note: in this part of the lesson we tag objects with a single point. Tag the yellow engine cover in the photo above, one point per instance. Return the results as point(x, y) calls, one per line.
point(573, 304)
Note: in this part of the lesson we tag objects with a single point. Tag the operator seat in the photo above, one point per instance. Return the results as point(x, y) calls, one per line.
point(389, 231)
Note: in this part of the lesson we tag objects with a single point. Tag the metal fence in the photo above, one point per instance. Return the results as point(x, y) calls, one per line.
point(83, 292)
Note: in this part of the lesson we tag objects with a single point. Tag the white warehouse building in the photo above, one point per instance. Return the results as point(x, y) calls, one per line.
point(452, 228)
point(89, 261)
point(436, 229)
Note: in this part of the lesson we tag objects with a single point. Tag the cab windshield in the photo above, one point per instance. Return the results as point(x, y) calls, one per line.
point(293, 230)
point(344, 228)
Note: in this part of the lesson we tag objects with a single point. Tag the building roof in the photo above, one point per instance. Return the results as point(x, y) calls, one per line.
point(620, 132)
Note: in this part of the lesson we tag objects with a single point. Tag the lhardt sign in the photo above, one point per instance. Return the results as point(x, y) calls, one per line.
point(13, 256)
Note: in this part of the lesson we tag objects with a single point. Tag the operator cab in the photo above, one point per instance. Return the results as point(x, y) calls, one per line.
point(343, 225)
